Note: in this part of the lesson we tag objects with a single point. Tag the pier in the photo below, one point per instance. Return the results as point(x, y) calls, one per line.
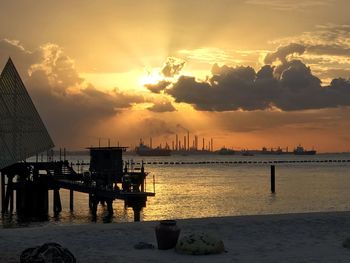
point(25, 185)
point(108, 179)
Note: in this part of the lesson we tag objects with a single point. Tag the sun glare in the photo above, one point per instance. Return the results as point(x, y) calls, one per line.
point(151, 77)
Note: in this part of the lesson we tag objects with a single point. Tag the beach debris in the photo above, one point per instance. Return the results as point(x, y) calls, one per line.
point(47, 253)
point(143, 245)
point(199, 244)
point(167, 234)
point(346, 243)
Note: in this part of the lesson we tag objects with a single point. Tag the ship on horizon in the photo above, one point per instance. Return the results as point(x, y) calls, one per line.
point(301, 151)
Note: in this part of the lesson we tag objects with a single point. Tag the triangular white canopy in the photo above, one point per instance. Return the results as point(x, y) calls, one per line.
point(22, 132)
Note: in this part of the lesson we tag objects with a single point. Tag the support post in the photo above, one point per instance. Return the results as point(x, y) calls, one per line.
point(2, 192)
point(94, 207)
point(9, 193)
point(154, 184)
point(110, 207)
point(273, 179)
point(137, 213)
point(90, 201)
point(71, 200)
point(11, 199)
point(57, 206)
point(143, 177)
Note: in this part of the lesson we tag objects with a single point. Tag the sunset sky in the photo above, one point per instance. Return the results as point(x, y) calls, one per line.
point(248, 73)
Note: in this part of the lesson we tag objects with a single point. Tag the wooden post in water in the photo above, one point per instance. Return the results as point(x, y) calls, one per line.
point(110, 207)
point(9, 194)
point(11, 199)
point(57, 207)
point(2, 192)
point(90, 201)
point(137, 212)
point(273, 179)
point(154, 184)
point(71, 200)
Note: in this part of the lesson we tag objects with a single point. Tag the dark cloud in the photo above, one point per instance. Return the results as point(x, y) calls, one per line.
point(290, 86)
point(165, 106)
point(158, 87)
point(172, 67)
point(332, 50)
point(229, 89)
point(68, 105)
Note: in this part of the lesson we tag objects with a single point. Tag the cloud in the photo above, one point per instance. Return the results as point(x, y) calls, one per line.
point(333, 50)
point(329, 39)
point(327, 49)
point(158, 87)
point(172, 67)
point(286, 5)
point(262, 120)
point(68, 105)
point(282, 52)
point(289, 86)
point(164, 106)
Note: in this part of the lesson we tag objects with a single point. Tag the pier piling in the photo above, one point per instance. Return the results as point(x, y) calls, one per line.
point(11, 199)
point(71, 200)
point(273, 179)
point(137, 213)
point(57, 206)
point(110, 207)
point(9, 194)
point(2, 192)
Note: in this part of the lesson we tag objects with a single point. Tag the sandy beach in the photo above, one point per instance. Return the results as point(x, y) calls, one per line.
point(313, 237)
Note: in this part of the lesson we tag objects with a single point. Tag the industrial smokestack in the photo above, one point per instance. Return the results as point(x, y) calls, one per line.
point(212, 146)
point(150, 142)
point(203, 144)
point(185, 142)
point(177, 142)
point(188, 140)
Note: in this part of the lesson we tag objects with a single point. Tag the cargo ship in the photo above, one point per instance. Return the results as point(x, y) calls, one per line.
point(301, 151)
point(144, 150)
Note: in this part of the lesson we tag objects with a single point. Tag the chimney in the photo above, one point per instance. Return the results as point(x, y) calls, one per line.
point(188, 140)
point(177, 143)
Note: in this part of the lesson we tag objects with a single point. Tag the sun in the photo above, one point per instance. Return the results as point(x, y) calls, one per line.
point(151, 77)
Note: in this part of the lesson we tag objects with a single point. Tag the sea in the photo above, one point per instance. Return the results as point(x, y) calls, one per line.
point(197, 186)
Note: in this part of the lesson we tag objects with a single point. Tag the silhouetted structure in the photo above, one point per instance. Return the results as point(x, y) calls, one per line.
point(23, 134)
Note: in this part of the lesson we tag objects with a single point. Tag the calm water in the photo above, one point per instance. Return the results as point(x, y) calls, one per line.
point(208, 190)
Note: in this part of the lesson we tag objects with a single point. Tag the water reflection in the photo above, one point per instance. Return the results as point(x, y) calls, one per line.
point(209, 190)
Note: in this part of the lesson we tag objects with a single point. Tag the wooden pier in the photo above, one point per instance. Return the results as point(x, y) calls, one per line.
point(108, 179)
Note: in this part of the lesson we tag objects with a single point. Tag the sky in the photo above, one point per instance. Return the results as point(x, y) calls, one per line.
point(247, 73)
